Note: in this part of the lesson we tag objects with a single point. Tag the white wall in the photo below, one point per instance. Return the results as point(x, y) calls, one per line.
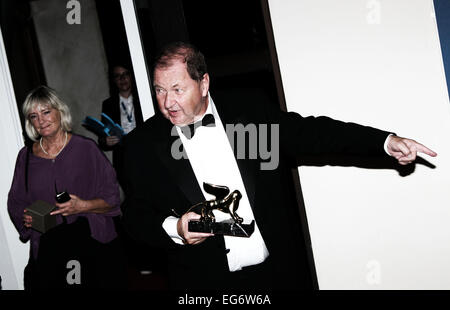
point(375, 62)
point(13, 253)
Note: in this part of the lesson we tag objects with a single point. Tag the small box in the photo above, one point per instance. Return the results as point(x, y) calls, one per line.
point(40, 212)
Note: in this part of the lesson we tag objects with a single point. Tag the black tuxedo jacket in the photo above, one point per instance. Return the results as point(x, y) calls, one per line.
point(161, 186)
point(111, 107)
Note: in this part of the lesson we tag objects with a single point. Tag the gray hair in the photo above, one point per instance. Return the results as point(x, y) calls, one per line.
point(45, 96)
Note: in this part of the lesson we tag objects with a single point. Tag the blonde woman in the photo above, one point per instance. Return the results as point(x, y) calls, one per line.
point(59, 161)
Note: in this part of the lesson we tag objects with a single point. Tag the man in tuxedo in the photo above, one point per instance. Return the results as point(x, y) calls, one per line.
point(124, 109)
point(166, 164)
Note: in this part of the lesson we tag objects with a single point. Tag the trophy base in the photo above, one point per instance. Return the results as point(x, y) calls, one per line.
point(227, 228)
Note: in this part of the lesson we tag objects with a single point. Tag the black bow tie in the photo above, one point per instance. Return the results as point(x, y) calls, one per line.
point(189, 130)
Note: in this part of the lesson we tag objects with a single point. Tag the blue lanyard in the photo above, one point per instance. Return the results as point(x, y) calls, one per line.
point(129, 116)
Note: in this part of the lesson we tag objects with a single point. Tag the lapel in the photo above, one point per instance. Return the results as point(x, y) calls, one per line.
point(180, 169)
point(115, 111)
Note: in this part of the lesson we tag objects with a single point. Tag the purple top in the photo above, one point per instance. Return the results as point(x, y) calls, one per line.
point(80, 169)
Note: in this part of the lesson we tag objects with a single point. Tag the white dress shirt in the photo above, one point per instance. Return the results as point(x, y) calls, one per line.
point(212, 159)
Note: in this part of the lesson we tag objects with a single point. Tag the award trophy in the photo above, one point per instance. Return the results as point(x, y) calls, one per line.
point(224, 202)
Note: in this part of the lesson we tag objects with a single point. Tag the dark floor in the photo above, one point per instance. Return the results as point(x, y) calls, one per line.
point(146, 279)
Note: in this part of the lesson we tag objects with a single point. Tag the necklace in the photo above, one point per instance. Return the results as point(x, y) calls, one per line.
point(65, 141)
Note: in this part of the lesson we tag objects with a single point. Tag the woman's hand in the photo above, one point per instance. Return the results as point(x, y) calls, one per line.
point(74, 206)
point(27, 219)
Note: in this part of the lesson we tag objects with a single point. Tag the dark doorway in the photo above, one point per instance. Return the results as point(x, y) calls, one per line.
point(233, 41)
point(22, 49)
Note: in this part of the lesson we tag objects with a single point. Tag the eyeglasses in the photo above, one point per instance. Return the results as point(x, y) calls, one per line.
point(118, 77)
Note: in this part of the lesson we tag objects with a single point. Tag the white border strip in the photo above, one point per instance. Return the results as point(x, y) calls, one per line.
point(12, 141)
point(137, 58)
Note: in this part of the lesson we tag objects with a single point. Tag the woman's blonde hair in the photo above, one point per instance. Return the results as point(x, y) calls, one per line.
point(45, 96)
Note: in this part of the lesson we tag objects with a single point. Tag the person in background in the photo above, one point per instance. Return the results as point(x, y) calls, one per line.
point(60, 160)
point(124, 109)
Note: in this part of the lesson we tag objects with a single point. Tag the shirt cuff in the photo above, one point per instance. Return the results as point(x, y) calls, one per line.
point(170, 226)
point(386, 144)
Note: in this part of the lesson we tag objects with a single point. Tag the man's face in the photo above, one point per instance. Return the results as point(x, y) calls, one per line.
point(181, 99)
point(122, 79)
